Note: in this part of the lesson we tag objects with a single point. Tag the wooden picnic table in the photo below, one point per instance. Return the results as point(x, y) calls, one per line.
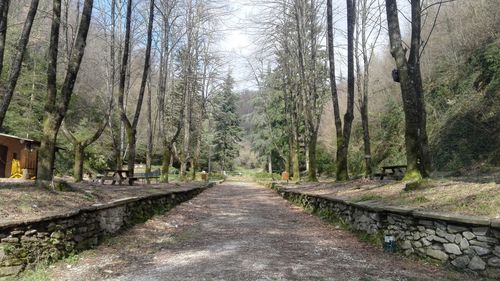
point(115, 175)
point(396, 171)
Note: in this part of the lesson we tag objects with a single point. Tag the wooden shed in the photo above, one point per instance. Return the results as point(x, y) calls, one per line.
point(26, 151)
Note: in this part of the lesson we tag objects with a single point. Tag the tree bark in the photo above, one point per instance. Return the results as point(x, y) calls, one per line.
point(4, 15)
point(295, 149)
point(56, 110)
point(416, 142)
point(343, 150)
point(123, 72)
point(312, 158)
point(196, 158)
point(131, 126)
point(363, 73)
point(341, 172)
point(184, 155)
point(312, 104)
point(78, 165)
point(269, 164)
point(149, 151)
point(17, 61)
point(167, 152)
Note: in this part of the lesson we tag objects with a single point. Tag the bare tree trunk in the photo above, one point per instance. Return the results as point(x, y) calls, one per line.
point(167, 152)
point(312, 157)
point(417, 151)
point(4, 15)
point(79, 151)
point(342, 167)
point(123, 71)
point(302, 87)
point(295, 147)
point(196, 158)
point(363, 80)
point(184, 156)
point(312, 99)
point(112, 69)
point(46, 153)
point(269, 164)
point(55, 110)
point(131, 127)
point(333, 88)
point(209, 159)
point(149, 151)
point(15, 68)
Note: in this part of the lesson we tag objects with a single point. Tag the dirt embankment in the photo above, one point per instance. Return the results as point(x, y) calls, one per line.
point(23, 202)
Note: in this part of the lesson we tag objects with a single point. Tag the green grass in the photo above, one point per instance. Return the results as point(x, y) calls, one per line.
point(252, 175)
point(368, 197)
point(421, 199)
point(39, 273)
point(72, 259)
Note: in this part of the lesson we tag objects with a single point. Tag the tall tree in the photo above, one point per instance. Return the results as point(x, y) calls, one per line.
point(227, 126)
point(131, 126)
point(57, 105)
point(408, 69)
point(333, 81)
point(189, 61)
point(17, 60)
point(170, 107)
point(368, 32)
point(343, 133)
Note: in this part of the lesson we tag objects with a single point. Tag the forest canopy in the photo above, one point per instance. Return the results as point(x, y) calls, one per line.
point(333, 89)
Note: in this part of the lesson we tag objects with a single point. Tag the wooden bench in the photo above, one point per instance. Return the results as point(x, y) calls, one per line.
point(148, 176)
point(394, 171)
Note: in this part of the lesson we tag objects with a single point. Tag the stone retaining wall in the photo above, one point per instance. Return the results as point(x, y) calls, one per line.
point(45, 240)
point(465, 243)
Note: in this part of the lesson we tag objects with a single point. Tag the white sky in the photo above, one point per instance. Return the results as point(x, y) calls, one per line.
point(237, 44)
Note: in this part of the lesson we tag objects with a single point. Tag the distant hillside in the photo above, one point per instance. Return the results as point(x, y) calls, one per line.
point(467, 131)
point(245, 110)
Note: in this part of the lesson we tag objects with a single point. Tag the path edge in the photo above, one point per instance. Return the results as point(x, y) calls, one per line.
point(28, 243)
point(462, 243)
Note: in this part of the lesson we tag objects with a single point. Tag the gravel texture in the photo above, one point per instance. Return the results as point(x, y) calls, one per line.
point(240, 231)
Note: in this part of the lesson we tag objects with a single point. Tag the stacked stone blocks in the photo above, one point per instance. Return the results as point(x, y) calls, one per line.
point(464, 243)
point(26, 244)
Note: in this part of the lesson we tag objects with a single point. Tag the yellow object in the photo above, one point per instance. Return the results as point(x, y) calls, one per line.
point(15, 171)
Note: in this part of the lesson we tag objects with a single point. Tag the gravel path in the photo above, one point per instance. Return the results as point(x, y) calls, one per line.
point(239, 231)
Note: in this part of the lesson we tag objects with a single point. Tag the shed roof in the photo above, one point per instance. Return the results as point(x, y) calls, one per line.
point(19, 138)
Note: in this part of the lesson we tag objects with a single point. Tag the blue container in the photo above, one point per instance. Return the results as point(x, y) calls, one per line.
point(389, 244)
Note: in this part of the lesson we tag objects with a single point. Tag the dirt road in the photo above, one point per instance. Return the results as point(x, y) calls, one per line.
point(240, 231)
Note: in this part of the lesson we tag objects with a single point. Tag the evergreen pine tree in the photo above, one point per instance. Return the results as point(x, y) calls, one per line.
point(227, 133)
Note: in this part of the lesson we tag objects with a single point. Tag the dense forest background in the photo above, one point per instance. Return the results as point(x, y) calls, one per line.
point(460, 65)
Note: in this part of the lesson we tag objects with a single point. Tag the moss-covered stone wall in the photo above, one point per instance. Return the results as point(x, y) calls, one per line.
point(464, 243)
point(26, 244)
